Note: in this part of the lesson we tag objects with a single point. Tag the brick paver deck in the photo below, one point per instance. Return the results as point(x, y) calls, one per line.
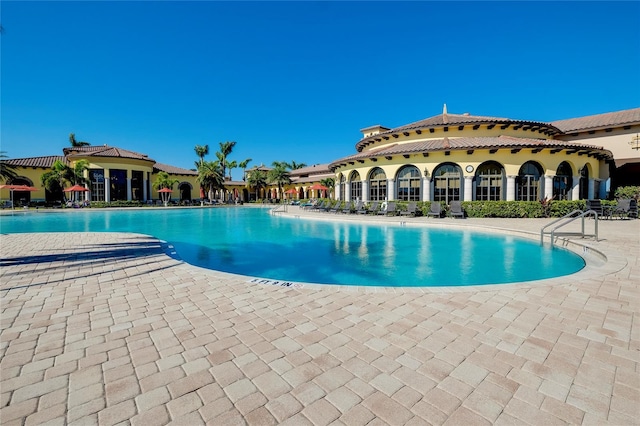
point(105, 329)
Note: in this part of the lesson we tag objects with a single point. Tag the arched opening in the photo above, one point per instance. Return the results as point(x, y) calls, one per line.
point(356, 186)
point(584, 183)
point(408, 184)
point(185, 191)
point(21, 198)
point(563, 181)
point(343, 187)
point(489, 181)
point(446, 183)
point(528, 181)
point(377, 185)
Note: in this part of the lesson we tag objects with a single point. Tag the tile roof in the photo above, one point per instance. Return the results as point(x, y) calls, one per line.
point(599, 121)
point(104, 151)
point(173, 170)
point(45, 162)
point(310, 170)
point(465, 143)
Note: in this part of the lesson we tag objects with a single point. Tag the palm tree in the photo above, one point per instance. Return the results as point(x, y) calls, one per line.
point(243, 165)
point(294, 166)
point(164, 180)
point(74, 142)
point(257, 179)
point(225, 151)
point(7, 172)
point(232, 165)
point(279, 175)
point(210, 177)
point(329, 183)
point(77, 173)
point(53, 180)
point(201, 151)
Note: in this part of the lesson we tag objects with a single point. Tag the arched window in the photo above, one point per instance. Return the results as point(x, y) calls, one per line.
point(377, 185)
point(408, 184)
point(446, 183)
point(356, 186)
point(528, 181)
point(489, 181)
point(343, 185)
point(185, 191)
point(562, 182)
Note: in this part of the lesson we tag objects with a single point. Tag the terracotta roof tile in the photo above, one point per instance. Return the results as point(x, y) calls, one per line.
point(310, 170)
point(45, 162)
point(462, 143)
point(104, 151)
point(599, 121)
point(173, 170)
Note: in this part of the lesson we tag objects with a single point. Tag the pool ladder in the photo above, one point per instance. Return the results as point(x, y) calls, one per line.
point(569, 218)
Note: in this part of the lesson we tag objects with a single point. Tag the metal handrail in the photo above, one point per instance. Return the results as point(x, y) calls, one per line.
point(570, 217)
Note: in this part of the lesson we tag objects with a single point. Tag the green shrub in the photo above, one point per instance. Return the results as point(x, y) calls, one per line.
point(625, 192)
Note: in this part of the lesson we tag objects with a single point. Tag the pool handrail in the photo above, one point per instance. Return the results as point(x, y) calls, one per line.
point(570, 217)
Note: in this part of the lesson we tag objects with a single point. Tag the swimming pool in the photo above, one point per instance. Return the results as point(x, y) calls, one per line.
point(252, 242)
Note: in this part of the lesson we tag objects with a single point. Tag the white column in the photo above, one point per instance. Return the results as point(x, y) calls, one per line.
point(337, 191)
point(365, 191)
point(391, 189)
point(591, 186)
point(145, 182)
point(468, 188)
point(575, 189)
point(511, 188)
point(347, 191)
point(548, 186)
point(426, 189)
point(128, 187)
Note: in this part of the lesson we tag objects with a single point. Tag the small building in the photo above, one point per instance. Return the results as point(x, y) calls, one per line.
point(468, 157)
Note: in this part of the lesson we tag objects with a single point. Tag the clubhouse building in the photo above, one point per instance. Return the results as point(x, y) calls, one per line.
point(442, 158)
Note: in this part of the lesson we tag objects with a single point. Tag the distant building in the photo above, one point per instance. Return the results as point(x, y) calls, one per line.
point(466, 157)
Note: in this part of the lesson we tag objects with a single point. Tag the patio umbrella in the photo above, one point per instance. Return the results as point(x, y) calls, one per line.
point(18, 188)
point(318, 187)
point(76, 188)
point(162, 196)
point(291, 192)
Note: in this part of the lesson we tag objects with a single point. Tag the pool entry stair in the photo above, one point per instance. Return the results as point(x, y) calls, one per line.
point(568, 219)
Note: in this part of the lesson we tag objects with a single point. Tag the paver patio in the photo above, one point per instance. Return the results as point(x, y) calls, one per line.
point(101, 328)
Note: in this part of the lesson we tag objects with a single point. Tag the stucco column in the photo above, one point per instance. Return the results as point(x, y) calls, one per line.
point(144, 189)
point(548, 186)
point(391, 189)
point(591, 187)
point(365, 191)
point(575, 189)
point(426, 189)
point(336, 188)
point(107, 186)
point(468, 188)
point(511, 188)
point(347, 191)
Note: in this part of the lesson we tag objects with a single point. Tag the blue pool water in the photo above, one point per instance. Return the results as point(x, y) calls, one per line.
point(252, 242)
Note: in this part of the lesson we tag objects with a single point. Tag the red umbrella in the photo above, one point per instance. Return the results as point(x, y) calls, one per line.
point(291, 191)
point(165, 191)
point(18, 188)
point(318, 186)
point(76, 188)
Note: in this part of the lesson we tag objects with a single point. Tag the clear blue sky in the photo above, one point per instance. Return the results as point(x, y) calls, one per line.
point(297, 80)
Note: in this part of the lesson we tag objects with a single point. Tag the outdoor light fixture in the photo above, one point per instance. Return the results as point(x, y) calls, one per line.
point(635, 141)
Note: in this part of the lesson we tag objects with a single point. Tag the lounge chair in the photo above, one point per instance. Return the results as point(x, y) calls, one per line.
point(348, 206)
point(626, 208)
point(370, 209)
point(411, 209)
point(435, 209)
point(633, 208)
point(596, 206)
point(389, 209)
point(455, 209)
point(333, 207)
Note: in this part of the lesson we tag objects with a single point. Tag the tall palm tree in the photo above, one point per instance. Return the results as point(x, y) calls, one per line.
point(77, 173)
point(164, 180)
point(74, 142)
point(7, 172)
point(225, 151)
point(243, 165)
point(294, 166)
point(279, 175)
point(201, 151)
point(257, 179)
point(210, 177)
point(232, 165)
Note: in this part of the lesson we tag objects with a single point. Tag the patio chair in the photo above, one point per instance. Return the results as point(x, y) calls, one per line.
point(332, 207)
point(390, 209)
point(455, 209)
point(411, 209)
point(435, 209)
point(353, 209)
point(370, 209)
point(626, 208)
point(633, 209)
point(596, 206)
